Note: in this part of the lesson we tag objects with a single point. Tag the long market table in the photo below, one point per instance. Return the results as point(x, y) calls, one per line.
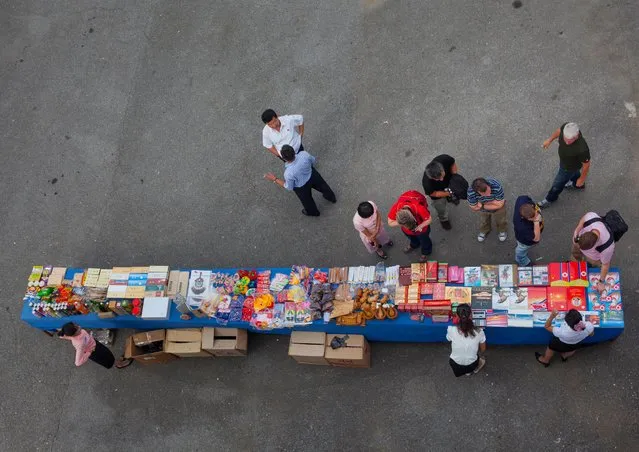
point(402, 329)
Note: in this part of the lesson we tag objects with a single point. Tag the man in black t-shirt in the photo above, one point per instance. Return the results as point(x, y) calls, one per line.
point(574, 161)
point(435, 181)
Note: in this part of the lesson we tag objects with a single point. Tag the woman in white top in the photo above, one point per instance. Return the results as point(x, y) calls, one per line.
point(567, 338)
point(466, 341)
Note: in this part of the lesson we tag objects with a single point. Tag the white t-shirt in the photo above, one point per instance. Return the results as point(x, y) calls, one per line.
point(288, 134)
point(569, 336)
point(464, 349)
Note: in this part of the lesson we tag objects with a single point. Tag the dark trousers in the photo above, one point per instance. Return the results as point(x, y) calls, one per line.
point(561, 179)
point(305, 194)
point(102, 355)
point(422, 240)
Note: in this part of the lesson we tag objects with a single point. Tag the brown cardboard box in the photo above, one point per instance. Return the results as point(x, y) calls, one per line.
point(172, 286)
point(225, 341)
point(307, 348)
point(183, 283)
point(147, 337)
point(131, 349)
point(186, 343)
point(357, 352)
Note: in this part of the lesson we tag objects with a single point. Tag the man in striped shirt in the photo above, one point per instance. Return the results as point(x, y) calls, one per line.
point(486, 196)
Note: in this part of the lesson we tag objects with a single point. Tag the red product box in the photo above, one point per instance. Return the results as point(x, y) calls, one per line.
point(426, 288)
point(439, 291)
point(577, 298)
point(537, 299)
point(578, 273)
point(558, 274)
point(557, 298)
point(442, 273)
point(431, 271)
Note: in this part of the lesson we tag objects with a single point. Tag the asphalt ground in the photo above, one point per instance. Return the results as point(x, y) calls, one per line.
point(131, 135)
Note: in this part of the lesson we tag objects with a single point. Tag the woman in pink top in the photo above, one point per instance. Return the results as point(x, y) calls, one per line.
point(87, 348)
point(368, 222)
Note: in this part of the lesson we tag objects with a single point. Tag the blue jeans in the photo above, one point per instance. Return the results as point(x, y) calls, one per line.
point(561, 179)
point(422, 240)
point(521, 254)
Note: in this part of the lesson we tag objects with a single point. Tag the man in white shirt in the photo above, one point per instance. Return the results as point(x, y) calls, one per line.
point(282, 130)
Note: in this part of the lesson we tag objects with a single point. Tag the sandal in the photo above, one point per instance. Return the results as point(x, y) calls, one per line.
point(380, 252)
point(122, 363)
point(390, 243)
point(539, 355)
point(423, 258)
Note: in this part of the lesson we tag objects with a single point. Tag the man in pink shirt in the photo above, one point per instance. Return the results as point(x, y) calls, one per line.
point(87, 348)
point(592, 242)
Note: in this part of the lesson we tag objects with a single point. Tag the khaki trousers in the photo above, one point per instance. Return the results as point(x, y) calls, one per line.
point(441, 206)
point(485, 219)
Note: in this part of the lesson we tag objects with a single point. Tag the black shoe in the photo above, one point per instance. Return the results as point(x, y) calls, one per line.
point(308, 214)
point(539, 355)
point(446, 225)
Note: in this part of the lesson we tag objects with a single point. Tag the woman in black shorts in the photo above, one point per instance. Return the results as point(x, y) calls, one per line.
point(466, 341)
point(567, 338)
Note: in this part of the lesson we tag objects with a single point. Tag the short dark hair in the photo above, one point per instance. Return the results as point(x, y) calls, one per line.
point(288, 153)
point(528, 211)
point(480, 185)
point(365, 209)
point(435, 170)
point(573, 317)
point(587, 240)
point(268, 116)
point(69, 329)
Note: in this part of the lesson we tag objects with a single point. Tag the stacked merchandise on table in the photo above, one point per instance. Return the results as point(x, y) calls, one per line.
point(507, 295)
point(499, 295)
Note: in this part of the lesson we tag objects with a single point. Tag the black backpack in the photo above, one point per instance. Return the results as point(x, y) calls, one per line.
point(459, 186)
point(616, 226)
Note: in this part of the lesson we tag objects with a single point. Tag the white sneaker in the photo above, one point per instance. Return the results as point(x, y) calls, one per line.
point(569, 184)
point(502, 236)
point(543, 203)
point(481, 237)
point(482, 363)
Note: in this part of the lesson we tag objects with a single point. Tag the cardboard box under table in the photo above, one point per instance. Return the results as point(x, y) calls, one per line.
point(225, 341)
point(135, 344)
point(307, 347)
point(356, 353)
point(185, 342)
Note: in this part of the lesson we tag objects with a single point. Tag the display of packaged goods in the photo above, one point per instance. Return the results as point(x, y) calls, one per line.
point(489, 275)
point(520, 302)
point(593, 317)
point(557, 298)
point(507, 275)
point(455, 274)
point(558, 274)
point(431, 271)
point(502, 298)
point(458, 295)
point(439, 291)
point(525, 276)
point(497, 318)
point(405, 276)
point(540, 275)
point(612, 318)
point(520, 319)
point(472, 276)
point(537, 298)
point(578, 273)
point(442, 272)
point(392, 275)
point(481, 298)
point(576, 298)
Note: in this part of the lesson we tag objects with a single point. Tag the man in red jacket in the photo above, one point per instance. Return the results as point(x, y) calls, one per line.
point(411, 213)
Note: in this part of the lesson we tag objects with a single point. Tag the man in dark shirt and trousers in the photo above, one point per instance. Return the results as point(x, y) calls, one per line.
point(301, 177)
point(574, 161)
point(435, 182)
point(528, 225)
